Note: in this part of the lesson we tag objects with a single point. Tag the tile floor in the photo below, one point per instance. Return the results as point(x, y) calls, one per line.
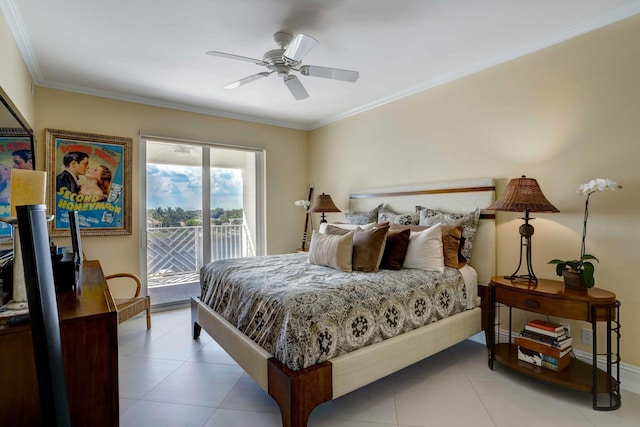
point(168, 379)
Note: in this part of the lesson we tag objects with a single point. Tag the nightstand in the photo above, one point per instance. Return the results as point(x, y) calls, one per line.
point(549, 297)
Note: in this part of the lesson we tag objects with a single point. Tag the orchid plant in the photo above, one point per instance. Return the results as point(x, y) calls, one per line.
point(584, 266)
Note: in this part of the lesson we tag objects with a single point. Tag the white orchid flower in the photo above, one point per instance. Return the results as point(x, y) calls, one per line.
point(302, 203)
point(598, 184)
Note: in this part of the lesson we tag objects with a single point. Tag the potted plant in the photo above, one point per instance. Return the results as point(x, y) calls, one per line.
point(578, 273)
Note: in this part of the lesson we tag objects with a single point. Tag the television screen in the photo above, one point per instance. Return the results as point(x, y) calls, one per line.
point(76, 242)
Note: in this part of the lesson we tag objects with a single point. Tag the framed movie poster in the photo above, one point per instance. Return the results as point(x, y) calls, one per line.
point(16, 152)
point(90, 174)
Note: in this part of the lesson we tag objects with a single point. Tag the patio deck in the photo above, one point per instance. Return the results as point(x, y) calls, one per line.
point(173, 288)
point(173, 279)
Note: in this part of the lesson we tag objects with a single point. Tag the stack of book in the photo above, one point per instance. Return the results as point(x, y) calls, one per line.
point(544, 344)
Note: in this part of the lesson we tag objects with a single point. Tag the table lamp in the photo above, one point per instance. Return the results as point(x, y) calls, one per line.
point(323, 203)
point(28, 187)
point(523, 195)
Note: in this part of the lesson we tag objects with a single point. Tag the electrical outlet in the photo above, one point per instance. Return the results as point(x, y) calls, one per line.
point(567, 327)
point(587, 336)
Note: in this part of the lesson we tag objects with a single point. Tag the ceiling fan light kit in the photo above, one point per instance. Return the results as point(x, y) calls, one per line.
point(286, 59)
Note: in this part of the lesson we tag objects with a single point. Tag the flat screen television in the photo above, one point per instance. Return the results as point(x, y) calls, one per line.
point(76, 242)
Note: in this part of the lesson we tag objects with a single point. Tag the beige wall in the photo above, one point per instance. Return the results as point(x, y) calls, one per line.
point(286, 154)
point(14, 75)
point(563, 115)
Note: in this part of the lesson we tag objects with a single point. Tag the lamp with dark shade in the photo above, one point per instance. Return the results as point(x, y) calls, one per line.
point(523, 195)
point(323, 203)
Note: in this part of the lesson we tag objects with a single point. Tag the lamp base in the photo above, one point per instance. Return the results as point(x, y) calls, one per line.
point(527, 277)
point(526, 231)
point(16, 305)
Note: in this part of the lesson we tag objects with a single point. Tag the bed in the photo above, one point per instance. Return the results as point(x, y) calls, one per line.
point(300, 379)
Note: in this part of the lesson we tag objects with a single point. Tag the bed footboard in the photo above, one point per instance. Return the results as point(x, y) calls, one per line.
point(298, 392)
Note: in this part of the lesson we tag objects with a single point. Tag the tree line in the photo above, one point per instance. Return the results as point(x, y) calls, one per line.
point(179, 217)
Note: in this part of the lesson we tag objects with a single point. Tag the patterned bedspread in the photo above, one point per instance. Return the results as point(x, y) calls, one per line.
point(305, 314)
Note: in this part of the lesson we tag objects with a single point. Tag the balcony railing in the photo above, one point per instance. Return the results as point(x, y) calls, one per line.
point(174, 254)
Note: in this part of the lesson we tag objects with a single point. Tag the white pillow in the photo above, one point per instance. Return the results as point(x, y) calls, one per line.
point(425, 250)
point(349, 227)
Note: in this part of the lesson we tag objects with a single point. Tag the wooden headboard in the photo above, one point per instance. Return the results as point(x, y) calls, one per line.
point(451, 196)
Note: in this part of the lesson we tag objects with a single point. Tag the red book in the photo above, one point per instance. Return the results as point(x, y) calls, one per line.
point(548, 326)
point(534, 329)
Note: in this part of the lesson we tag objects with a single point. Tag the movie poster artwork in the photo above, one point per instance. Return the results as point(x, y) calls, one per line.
point(15, 153)
point(93, 178)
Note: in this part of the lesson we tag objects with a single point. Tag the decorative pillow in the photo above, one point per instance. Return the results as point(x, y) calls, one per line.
point(452, 245)
point(452, 242)
point(388, 215)
point(425, 250)
point(395, 249)
point(349, 227)
point(368, 246)
point(469, 221)
point(363, 217)
point(332, 250)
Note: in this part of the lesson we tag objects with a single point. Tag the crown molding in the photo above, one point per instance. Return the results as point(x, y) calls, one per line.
point(16, 26)
point(14, 20)
point(137, 99)
point(598, 22)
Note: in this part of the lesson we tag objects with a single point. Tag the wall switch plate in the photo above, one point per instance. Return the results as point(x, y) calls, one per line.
point(587, 336)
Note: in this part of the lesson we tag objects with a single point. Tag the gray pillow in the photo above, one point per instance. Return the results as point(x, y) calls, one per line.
point(387, 214)
point(362, 218)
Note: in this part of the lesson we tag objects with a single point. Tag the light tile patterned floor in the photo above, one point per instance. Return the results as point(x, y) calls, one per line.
point(168, 379)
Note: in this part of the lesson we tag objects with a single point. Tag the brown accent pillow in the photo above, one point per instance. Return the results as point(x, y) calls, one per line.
point(332, 251)
point(368, 246)
point(395, 249)
point(452, 242)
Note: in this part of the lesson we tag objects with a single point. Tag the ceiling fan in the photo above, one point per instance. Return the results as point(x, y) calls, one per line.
point(286, 59)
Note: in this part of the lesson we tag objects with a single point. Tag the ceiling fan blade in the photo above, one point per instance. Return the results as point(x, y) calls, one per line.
point(295, 87)
point(299, 47)
point(244, 81)
point(329, 73)
point(237, 57)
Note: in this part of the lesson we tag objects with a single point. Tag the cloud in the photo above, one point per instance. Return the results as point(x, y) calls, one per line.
point(181, 186)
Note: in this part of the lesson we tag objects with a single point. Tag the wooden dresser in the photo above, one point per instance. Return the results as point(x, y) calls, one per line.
point(88, 325)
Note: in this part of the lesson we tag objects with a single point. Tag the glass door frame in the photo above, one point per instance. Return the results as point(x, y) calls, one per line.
point(260, 219)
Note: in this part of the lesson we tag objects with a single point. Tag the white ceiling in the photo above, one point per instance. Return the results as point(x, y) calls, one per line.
point(153, 51)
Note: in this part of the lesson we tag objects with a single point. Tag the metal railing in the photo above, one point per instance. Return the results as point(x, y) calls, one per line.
point(175, 251)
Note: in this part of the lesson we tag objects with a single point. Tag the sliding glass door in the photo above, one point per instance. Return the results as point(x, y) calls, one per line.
point(203, 203)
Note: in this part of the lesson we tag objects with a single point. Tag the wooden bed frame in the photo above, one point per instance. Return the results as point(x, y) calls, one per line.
point(299, 392)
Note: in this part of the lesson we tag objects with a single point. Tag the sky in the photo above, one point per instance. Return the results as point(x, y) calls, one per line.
point(180, 186)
